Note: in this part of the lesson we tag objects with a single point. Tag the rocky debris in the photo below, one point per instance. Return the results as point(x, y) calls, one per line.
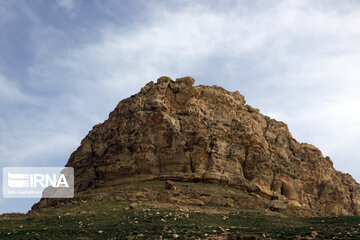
point(10, 215)
point(194, 201)
point(175, 130)
point(170, 185)
point(314, 234)
point(133, 206)
point(276, 205)
point(229, 204)
point(244, 237)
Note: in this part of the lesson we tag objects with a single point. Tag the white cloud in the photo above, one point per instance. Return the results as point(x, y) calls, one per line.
point(69, 4)
point(39, 149)
point(10, 92)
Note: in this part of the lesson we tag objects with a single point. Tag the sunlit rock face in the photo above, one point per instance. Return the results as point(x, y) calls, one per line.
point(175, 130)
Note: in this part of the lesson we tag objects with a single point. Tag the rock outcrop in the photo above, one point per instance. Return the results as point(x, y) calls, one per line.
point(177, 131)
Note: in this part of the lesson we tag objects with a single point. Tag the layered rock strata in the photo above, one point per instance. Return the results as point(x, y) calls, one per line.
point(177, 131)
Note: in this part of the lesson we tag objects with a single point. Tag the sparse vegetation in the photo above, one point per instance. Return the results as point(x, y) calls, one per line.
point(108, 219)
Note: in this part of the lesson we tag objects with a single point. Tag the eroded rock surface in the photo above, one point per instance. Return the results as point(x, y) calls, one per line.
point(177, 131)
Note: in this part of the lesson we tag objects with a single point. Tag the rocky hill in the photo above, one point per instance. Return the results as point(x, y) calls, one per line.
point(175, 130)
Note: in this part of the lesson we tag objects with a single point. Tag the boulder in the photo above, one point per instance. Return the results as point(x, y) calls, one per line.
point(170, 185)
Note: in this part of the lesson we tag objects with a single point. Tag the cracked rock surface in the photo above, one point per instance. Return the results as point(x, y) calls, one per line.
point(177, 131)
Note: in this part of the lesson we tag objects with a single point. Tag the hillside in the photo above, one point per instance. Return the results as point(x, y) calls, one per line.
point(177, 131)
point(146, 210)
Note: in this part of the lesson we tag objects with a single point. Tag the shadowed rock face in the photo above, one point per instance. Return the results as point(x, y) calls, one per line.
point(174, 130)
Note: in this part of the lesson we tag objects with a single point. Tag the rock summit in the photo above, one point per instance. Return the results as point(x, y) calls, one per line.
point(173, 130)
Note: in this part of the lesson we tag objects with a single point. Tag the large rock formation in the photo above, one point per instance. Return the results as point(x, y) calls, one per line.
point(174, 130)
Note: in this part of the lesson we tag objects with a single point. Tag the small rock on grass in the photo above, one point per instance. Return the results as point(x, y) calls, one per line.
point(133, 206)
point(170, 185)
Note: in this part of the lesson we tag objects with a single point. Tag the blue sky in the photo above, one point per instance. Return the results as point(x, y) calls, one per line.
point(64, 65)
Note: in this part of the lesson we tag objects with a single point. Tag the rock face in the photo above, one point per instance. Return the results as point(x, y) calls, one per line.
point(176, 131)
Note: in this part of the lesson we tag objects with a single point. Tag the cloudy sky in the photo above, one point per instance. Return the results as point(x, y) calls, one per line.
point(65, 64)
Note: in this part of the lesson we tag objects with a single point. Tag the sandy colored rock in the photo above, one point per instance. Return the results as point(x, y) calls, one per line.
point(174, 130)
point(276, 205)
point(170, 185)
point(133, 206)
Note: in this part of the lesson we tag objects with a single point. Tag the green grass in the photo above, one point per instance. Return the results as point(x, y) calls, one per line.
point(104, 219)
point(153, 223)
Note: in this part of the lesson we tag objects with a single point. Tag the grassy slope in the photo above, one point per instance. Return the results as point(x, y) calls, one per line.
point(105, 219)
